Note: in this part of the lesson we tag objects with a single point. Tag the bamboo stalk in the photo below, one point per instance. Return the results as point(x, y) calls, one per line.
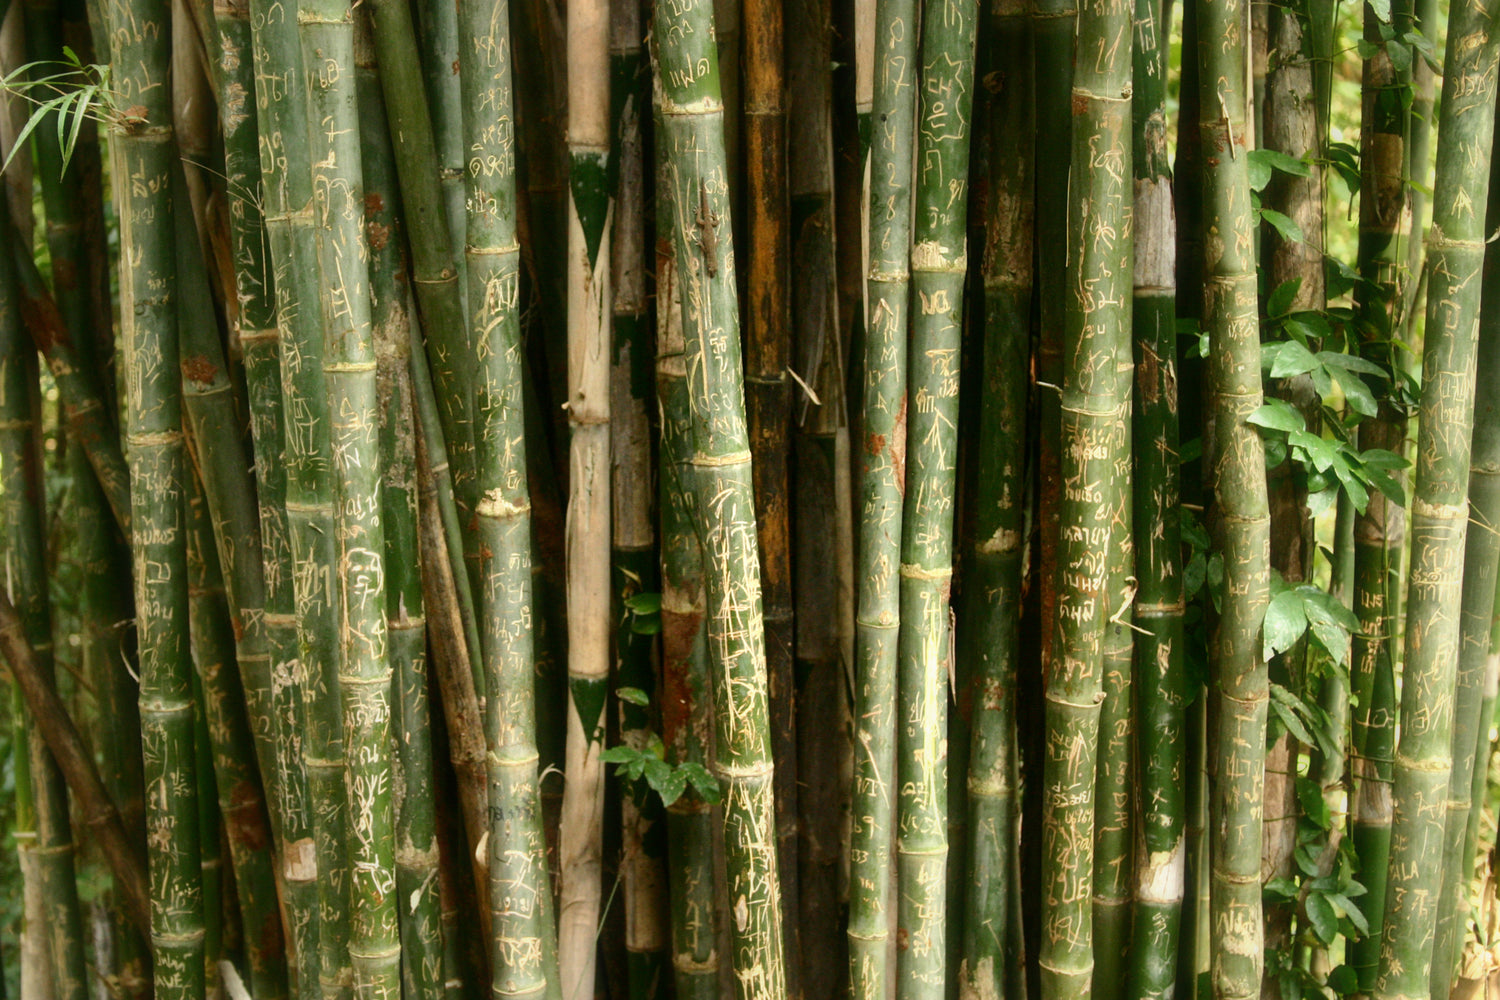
point(633, 557)
point(687, 712)
point(882, 491)
point(938, 262)
point(229, 755)
point(821, 579)
point(590, 222)
point(1162, 691)
point(1380, 532)
point(992, 963)
point(697, 178)
point(361, 649)
point(1076, 816)
point(768, 408)
point(285, 393)
point(391, 320)
point(1237, 666)
point(144, 148)
point(522, 957)
point(1439, 512)
point(23, 547)
point(1471, 725)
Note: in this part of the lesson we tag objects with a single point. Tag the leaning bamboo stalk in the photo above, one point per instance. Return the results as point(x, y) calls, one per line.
point(392, 323)
point(521, 958)
point(357, 580)
point(23, 548)
point(1439, 510)
point(938, 262)
point(697, 179)
point(144, 149)
point(1236, 664)
point(992, 962)
point(643, 826)
point(590, 222)
point(230, 758)
point(882, 491)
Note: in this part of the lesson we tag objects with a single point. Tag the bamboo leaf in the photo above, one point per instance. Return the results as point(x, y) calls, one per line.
point(633, 695)
point(1325, 922)
point(1283, 224)
point(1285, 622)
point(1277, 415)
point(1291, 359)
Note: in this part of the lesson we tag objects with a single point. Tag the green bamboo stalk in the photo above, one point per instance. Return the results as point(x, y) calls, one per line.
point(822, 563)
point(1237, 666)
point(1290, 126)
point(1481, 558)
point(436, 282)
point(1439, 512)
point(417, 882)
point(768, 410)
point(282, 95)
point(588, 565)
point(23, 547)
point(633, 557)
point(72, 199)
point(882, 489)
point(362, 661)
point(1055, 27)
point(522, 959)
point(938, 262)
point(1162, 691)
point(285, 396)
point(226, 615)
point(437, 36)
point(697, 179)
point(144, 149)
point(991, 613)
point(216, 924)
point(1380, 532)
point(687, 711)
point(1093, 444)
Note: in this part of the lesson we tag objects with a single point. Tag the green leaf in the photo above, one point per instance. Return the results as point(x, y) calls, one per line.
point(1353, 363)
point(705, 783)
point(1310, 796)
point(633, 695)
point(1277, 415)
point(1285, 622)
point(658, 772)
point(1280, 301)
point(1283, 224)
point(1321, 502)
point(1291, 359)
point(1280, 889)
point(1288, 717)
point(620, 755)
point(672, 786)
point(1325, 922)
point(1321, 453)
point(1382, 11)
point(644, 603)
point(1355, 915)
point(1343, 980)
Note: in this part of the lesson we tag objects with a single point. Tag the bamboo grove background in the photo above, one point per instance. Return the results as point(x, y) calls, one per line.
point(755, 498)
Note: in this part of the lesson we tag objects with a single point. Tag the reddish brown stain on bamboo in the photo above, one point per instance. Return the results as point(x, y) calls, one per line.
point(379, 235)
point(874, 444)
point(677, 632)
point(897, 448)
point(197, 368)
